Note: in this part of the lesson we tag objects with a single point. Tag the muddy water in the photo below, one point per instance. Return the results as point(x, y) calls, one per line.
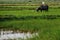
point(5, 35)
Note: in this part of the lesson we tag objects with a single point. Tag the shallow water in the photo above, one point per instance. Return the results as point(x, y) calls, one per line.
point(5, 35)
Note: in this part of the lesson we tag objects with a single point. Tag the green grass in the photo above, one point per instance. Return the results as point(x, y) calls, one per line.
point(31, 12)
point(47, 29)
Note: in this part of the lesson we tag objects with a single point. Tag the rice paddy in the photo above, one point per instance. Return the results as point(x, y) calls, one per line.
point(47, 28)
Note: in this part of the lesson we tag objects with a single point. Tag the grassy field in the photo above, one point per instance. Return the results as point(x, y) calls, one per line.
point(47, 29)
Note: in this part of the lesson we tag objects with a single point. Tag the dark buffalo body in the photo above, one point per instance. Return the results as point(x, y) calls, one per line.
point(43, 7)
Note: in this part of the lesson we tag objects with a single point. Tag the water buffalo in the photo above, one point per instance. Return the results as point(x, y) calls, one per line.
point(42, 7)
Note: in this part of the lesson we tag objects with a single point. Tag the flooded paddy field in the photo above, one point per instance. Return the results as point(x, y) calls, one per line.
point(40, 29)
point(15, 35)
point(47, 29)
